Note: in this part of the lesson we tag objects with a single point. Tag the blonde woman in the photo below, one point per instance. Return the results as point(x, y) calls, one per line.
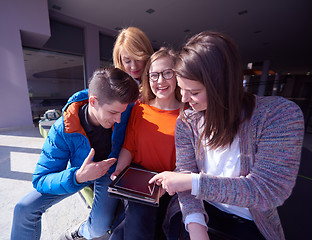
point(131, 51)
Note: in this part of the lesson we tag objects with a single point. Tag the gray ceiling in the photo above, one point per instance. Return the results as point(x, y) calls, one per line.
point(274, 30)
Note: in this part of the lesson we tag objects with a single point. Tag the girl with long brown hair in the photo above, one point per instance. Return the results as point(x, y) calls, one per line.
point(238, 154)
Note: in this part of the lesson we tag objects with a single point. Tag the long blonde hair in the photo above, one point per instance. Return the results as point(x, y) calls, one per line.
point(135, 42)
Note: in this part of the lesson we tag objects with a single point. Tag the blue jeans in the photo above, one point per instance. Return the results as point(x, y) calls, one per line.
point(28, 211)
point(139, 223)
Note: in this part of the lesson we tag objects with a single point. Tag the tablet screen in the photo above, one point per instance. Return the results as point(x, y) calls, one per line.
point(136, 180)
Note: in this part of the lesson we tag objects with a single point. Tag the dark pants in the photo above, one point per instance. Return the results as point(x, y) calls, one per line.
point(222, 225)
point(141, 222)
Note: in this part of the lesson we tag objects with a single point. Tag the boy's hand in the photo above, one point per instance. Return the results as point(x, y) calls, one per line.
point(93, 170)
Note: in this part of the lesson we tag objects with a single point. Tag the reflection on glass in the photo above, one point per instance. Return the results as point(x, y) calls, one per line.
point(52, 78)
point(104, 63)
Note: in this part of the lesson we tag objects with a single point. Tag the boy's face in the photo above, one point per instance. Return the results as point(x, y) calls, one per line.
point(107, 114)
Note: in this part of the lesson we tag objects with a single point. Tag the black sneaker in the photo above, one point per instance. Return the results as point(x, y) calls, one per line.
point(72, 234)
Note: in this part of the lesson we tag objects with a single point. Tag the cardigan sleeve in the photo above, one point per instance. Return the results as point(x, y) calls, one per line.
point(274, 135)
point(186, 162)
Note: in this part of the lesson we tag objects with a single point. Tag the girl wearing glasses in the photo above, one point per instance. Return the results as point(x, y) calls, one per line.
point(149, 141)
point(237, 154)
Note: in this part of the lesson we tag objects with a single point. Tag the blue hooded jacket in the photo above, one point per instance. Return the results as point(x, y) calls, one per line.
point(66, 148)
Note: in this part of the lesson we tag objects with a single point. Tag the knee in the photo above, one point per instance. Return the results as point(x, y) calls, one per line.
point(138, 214)
point(26, 210)
point(21, 210)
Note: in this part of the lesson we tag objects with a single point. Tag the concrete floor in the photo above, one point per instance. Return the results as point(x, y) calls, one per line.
point(19, 151)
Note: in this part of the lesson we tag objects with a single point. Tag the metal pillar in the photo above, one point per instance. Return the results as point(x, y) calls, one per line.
point(264, 78)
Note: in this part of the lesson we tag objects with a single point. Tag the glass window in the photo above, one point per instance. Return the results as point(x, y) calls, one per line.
point(52, 78)
point(106, 48)
point(65, 38)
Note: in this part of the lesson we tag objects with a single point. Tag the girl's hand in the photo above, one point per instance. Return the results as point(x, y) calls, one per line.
point(173, 182)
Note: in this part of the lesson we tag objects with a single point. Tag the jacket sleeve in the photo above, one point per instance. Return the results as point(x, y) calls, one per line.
point(51, 174)
point(118, 135)
point(275, 135)
point(186, 162)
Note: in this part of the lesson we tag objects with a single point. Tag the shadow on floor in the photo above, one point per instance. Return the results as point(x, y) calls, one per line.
point(5, 163)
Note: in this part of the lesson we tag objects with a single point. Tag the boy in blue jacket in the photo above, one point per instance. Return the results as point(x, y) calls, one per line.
point(80, 149)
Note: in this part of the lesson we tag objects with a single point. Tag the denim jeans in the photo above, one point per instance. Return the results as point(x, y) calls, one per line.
point(139, 223)
point(28, 211)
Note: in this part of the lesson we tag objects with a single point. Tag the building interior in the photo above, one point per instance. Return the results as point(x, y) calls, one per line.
point(49, 49)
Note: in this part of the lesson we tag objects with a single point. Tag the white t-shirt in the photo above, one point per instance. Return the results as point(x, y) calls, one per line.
point(223, 162)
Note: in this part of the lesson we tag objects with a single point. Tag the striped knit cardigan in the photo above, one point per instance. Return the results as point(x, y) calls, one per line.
point(270, 146)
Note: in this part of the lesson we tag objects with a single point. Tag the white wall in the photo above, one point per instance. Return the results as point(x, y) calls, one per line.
point(32, 19)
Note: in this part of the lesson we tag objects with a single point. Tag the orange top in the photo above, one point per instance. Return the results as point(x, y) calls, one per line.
point(150, 137)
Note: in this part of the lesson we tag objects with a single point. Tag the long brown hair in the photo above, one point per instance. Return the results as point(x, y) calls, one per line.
point(213, 59)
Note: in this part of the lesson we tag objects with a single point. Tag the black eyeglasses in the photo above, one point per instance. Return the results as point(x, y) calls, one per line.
point(166, 74)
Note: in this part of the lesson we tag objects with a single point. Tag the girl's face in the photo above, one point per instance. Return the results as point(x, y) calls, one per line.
point(194, 93)
point(163, 88)
point(132, 66)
